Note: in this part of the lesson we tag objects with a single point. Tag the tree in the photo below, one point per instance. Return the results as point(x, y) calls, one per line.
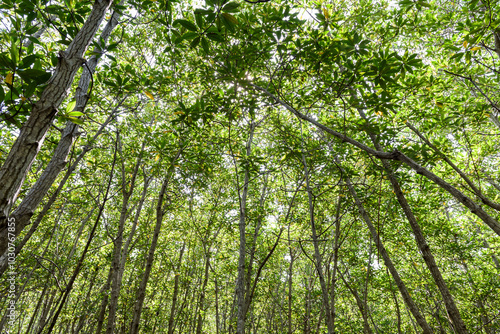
point(250, 167)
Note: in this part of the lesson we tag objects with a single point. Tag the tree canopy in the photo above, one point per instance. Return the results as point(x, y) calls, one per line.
point(268, 166)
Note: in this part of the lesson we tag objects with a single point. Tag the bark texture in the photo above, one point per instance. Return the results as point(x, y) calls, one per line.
point(33, 132)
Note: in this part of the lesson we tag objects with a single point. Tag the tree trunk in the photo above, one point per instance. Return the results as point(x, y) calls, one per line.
point(32, 134)
point(240, 283)
point(160, 210)
point(387, 261)
point(175, 294)
point(202, 294)
point(421, 242)
point(115, 270)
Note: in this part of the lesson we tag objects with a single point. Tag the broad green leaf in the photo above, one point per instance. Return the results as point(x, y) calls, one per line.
point(70, 106)
point(75, 114)
point(231, 7)
point(204, 44)
point(186, 24)
point(229, 21)
point(195, 42)
point(76, 120)
point(215, 37)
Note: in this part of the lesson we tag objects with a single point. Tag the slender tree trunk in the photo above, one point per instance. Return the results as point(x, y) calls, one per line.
point(307, 302)
point(336, 247)
point(115, 270)
point(240, 283)
point(103, 306)
point(421, 242)
point(175, 294)
point(45, 311)
point(84, 315)
point(160, 210)
point(398, 312)
point(202, 294)
point(37, 308)
point(290, 283)
point(217, 315)
point(363, 308)
point(317, 256)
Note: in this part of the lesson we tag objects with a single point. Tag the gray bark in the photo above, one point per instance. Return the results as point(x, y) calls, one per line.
point(317, 256)
point(59, 159)
point(33, 132)
point(115, 270)
point(424, 248)
point(240, 283)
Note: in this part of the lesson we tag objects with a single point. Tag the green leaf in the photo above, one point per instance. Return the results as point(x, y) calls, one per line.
point(28, 61)
point(215, 37)
point(231, 7)
point(199, 20)
point(186, 24)
point(70, 106)
point(189, 35)
point(229, 21)
point(39, 76)
point(204, 44)
point(202, 11)
point(76, 120)
point(195, 42)
point(14, 53)
point(75, 114)
point(230, 18)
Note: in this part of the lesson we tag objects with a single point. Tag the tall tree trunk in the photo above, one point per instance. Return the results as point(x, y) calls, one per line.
point(201, 313)
point(317, 256)
point(115, 270)
point(32, 134)
point(37, 308)
point(79, 265)
point(103, 306)
point(160, 211)
point(421, 242)
point(240, 283)
point(175, 294)
point(84, 316)
point(290, 284)
point(363, 308)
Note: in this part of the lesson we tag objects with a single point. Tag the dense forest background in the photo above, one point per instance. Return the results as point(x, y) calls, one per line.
point(326, 166)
